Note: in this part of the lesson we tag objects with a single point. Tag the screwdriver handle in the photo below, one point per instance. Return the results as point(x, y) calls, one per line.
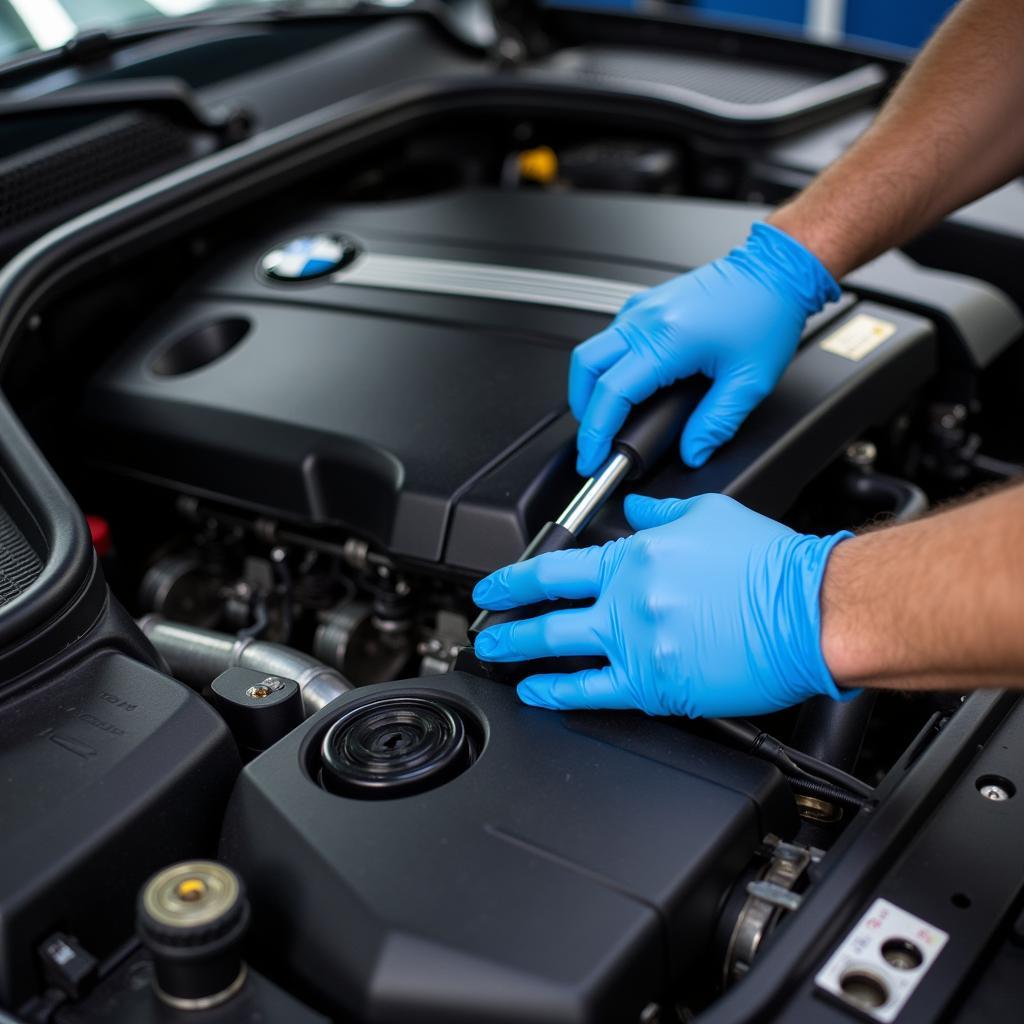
point(656, 423)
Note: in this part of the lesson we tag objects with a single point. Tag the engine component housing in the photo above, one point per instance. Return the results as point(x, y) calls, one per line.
point(570, 873)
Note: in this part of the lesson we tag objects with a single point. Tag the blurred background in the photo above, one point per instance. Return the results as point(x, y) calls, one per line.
point(44, 24)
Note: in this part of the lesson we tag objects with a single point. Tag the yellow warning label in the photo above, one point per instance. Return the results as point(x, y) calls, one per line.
point(858, 337)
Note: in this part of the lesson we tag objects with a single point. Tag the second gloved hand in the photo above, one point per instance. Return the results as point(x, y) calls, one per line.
point(710, 610)
point(736, 320)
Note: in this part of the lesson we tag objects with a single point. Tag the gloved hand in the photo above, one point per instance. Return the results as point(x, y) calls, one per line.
point(711, 610)
point(736, 320)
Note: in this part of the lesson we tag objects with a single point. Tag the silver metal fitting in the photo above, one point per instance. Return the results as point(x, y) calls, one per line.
point(768, 897)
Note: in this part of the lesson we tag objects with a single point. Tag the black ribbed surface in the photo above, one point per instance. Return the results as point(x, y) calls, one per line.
point(158, 934)
point(19, 564)
point(52, 174)
point(717, 77)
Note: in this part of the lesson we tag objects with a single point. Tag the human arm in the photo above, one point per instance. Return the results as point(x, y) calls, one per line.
point(950, 131)
point(936, 603)
point(713, 610)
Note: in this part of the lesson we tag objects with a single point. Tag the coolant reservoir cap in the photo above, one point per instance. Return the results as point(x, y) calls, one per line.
point(192, 917)
point(395, 746)
point(191, 904)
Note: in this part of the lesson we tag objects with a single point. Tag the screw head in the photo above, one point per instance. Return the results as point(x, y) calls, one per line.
point(991, 791)
point(264, 689)
point(861, 453)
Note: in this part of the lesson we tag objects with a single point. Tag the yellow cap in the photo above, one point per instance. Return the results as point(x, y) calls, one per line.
point(539, 165)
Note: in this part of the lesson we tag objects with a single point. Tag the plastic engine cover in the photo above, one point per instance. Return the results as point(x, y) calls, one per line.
point(568, 874)
point(415, 395)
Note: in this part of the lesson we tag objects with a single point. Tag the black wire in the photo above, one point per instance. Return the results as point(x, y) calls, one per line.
point(829, 772)
point(794, 764)
point(260, 622)
point(997, 467)
point(824, 790)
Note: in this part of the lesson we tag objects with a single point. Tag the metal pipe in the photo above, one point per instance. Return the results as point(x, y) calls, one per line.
point(197, 656)
point(593, 494)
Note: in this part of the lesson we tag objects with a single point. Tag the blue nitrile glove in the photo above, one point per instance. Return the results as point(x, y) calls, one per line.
point(711, 610)
point(736, 320)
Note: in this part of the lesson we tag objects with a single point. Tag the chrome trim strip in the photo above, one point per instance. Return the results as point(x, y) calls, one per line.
point(487, 281)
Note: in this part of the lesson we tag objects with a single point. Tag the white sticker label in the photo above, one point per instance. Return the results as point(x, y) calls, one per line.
point(858, 337)
point(882, 961)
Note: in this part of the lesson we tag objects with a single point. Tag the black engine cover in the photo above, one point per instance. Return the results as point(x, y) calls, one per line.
point(566, 876)
point(416, 396)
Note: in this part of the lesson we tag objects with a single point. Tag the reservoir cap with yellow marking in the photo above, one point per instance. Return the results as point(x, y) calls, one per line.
point(192, 917)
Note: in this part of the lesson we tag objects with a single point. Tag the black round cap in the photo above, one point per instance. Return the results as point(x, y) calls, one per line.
point(394, 746)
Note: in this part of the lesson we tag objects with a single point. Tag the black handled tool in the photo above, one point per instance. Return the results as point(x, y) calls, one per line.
point(652, 427)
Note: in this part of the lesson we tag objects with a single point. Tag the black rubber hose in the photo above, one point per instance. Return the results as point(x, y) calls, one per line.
point(832, 732)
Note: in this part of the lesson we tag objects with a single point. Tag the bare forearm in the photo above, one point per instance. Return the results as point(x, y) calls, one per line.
point(935, 603)
point(950, 132)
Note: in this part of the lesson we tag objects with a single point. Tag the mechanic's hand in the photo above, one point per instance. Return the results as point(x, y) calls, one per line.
point(736, 320)
point(711, 610)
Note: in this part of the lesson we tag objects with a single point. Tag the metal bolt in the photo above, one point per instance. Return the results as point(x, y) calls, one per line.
point(861, 453)
point(265, 689)
point(953, 417)
point(355, 552)
point(990, 791)
point(510, 50)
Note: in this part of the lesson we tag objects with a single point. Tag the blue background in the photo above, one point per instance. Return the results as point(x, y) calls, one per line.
point(906, 22)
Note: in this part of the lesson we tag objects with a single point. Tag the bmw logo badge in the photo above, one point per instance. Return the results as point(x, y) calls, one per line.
point(309, 257)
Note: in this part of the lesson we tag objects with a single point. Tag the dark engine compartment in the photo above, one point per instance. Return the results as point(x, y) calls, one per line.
point(309, 392)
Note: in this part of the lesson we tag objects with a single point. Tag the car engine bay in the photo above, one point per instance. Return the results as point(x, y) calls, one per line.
point(309, 389)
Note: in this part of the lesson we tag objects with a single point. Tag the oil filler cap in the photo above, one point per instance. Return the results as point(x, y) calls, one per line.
point(192, 917)
point(395, 746)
